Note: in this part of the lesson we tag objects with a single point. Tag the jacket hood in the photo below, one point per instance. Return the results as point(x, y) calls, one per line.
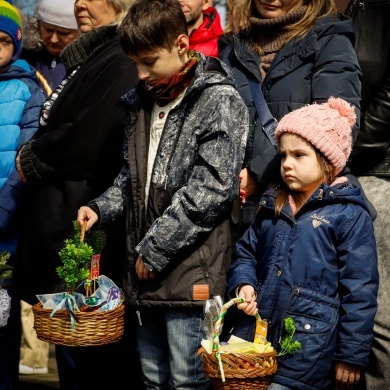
point(209, 71)
point(342, 25)
point(18, 69)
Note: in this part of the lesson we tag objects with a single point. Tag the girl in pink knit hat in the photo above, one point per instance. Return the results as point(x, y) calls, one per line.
point(311, 255)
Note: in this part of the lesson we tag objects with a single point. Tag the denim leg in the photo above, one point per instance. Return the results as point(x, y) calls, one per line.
point(168, 341)
point(184, 339)
point(276, 386)
point(153, 349)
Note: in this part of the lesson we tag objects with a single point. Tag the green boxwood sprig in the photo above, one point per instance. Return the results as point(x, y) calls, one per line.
point(287, 344)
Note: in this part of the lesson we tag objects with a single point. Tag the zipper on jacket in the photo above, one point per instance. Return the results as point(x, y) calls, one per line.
point(321, 194)
point(203, 265)
point(139, 317)
point(52, 66)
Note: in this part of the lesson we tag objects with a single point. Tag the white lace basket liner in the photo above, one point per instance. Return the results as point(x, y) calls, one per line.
point(5, 307)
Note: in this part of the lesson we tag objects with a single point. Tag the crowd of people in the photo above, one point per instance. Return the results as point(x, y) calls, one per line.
point(245, 161)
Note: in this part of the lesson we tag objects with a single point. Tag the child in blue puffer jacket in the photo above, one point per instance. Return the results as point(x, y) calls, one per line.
point(20, 102)
point(311, 255)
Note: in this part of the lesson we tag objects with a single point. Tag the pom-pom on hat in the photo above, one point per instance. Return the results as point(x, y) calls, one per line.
point(58, 13)
point(11, 24)
point(327, 126)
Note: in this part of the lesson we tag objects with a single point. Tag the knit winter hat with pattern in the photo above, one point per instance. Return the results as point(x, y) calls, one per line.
point(58, 13)
point(10, 23)
point(327, 126)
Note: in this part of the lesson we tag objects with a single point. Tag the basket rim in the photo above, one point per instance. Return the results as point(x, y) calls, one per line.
point(91, 329)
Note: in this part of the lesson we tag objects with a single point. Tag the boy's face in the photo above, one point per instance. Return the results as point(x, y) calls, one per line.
point(6, 48)
point(158, 64)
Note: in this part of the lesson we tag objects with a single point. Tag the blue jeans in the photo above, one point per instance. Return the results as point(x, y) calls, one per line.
point(168, 341)
point(276, 386)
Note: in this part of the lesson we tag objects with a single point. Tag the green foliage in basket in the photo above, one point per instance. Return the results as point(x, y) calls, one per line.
point(76, 257)
point(5, 269)
point(287, 344)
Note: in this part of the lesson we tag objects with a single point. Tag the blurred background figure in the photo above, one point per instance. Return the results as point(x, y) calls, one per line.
point(47, 34)
point(237, 12)
point(371, 161)
point(204, 25)
point(34, 353)
point(20, 102)
point(75, 156)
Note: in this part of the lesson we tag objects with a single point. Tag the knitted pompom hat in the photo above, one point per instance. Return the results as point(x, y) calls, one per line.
point(11, 24)
point(327, 126)
point(58, 13)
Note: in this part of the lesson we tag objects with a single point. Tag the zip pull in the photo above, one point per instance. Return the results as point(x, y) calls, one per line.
point(320, 195)
point(53, 63)
point(362, 6)
point(139, 317)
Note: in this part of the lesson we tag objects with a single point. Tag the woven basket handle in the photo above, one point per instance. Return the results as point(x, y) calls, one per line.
point(218, 323)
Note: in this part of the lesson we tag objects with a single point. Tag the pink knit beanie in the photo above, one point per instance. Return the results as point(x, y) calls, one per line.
point(327, 126)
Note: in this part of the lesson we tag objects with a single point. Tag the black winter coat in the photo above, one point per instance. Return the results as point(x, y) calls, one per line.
point(370, 153)
point(74, 158)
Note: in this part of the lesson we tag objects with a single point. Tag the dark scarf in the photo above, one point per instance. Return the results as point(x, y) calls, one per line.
point(171, 87)
point(77, 52)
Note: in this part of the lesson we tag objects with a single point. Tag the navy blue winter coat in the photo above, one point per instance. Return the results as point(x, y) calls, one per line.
point(321, 64)
point(320, 269)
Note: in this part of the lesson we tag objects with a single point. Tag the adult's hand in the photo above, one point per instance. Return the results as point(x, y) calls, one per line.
point(248, 185)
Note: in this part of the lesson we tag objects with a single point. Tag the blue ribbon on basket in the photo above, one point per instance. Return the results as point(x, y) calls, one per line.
point(68, 301)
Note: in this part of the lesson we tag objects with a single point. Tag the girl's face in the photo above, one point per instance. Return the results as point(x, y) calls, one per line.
point(91, 14)
point(300, 167)
point(275, 8)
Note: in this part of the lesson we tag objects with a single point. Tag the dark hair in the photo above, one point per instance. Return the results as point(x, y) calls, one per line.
point(151, 24)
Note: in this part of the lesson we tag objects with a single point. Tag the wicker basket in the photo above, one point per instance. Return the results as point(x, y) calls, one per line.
point(92, 328)
point(242, 371)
